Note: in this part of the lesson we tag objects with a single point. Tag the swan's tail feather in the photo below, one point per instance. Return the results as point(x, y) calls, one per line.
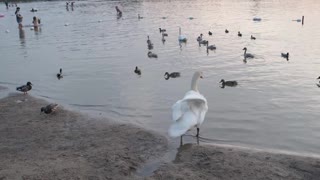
point(176, 130)
point(181, 126)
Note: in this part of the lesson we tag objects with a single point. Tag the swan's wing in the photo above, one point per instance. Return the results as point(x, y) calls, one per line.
point(177, 110)
point(180, 127)
point(187, 113)
point(182, 105)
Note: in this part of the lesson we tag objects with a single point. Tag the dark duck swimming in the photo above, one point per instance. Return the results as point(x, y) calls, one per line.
point(167, 75)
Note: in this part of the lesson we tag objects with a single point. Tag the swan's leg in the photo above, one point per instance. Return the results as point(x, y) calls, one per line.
point(198, 129)
point(198, 140)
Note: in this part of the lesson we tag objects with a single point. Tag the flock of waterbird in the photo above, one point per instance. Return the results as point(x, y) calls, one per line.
point(188, 112)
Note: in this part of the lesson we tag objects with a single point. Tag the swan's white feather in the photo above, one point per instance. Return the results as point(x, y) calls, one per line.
point(187, 113)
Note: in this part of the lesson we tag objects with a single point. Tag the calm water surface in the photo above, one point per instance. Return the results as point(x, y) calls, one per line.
point(275, 106)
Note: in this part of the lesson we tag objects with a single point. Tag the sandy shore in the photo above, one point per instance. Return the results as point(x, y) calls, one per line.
point(69, 145)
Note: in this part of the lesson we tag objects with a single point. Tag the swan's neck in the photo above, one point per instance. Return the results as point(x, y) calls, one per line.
point(194, 83)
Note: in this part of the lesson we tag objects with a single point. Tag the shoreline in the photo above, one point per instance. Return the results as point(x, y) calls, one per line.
point(71, 145)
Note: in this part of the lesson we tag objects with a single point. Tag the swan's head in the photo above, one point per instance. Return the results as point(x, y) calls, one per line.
point(222, 81)
point(245, 48)
point(198, 75)
point(195, 78)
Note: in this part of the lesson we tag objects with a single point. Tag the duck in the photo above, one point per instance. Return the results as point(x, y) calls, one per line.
point(247, 55)
point(59, 75)
point(239, 34)
point(149, 41)
point(164, 34)
point(226, 31)
point(190, 111)
point(181, 38)
point(199, 38)
point(256, 19)
point(210, 33)
point(49, 108)
point(25, 88)
point(253, 38)
point(33, 10)
point(204, 42)
point(211, 47)
point(137, 71)
point(171, 75)
point(162, 30)
point(152, 55)
point(140, 17)
point(285, 55)
point(228, 83)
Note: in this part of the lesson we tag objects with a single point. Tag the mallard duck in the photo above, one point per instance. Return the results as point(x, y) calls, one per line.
point(140, 17)
point(285, 55)
point(228, 83)
point(211, 47)
point(59, 75)
point(210, 33)
point(239, 34)
point(171, 75)
point(226, 31)
point(137, 71)
point(253, 38)
point(162, 30)
point(247, 55)
point(49, 108)
point(25, 88)
point(152, 55)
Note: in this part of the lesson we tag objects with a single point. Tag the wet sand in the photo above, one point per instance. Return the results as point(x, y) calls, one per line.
point(70, 145)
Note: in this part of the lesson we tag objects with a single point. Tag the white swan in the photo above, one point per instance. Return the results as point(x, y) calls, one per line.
point(190, 111)
point(182, 38)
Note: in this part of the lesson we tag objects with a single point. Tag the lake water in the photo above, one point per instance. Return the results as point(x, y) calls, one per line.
point(275, 106)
